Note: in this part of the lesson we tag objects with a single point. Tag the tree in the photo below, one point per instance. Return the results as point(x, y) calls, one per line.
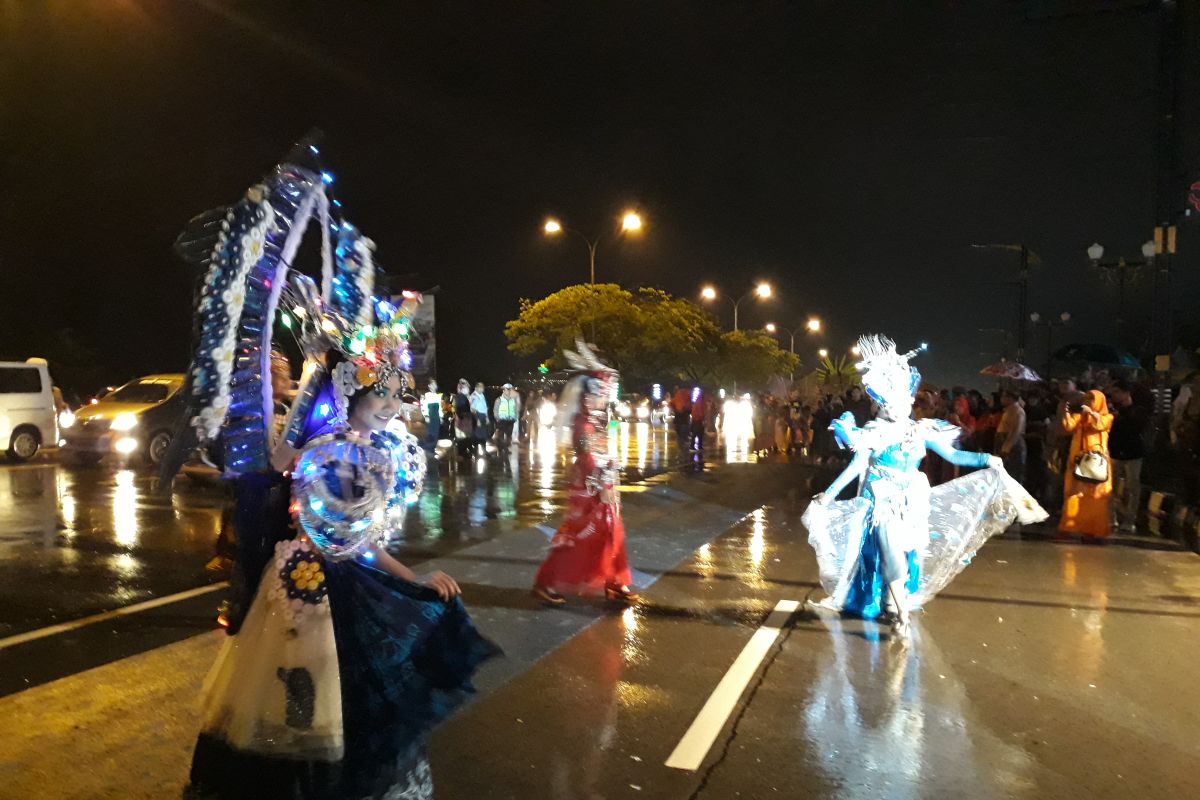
point(647, 335)
point(744, 358)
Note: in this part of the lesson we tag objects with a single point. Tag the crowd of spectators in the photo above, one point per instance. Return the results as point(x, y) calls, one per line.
point(1126, 430)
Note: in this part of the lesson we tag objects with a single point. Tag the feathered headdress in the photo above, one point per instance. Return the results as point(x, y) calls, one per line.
point(886, 374)
point(589, 376)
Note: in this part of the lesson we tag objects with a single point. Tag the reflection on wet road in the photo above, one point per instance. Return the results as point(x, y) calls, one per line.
point(79, 540)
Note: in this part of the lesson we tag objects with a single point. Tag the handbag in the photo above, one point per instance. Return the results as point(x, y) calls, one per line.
point(1092, 467)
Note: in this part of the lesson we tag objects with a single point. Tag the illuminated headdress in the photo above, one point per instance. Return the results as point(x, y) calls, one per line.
point(373, 356)
point(249, 285)
point(886, 374)
point(590, 377)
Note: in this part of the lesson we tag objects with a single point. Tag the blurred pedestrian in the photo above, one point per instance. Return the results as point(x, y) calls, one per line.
point(1127, 445)
point(822, 437)
point(859, 405)
point(464, 420)
point(681, 415)
point(529, 416)
point(1185, 432)
point(431, 404)
point(699, 414)
point(479, 408)
point(1010, 435)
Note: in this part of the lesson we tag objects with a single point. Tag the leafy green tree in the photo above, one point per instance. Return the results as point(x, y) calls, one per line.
point(646, 334)
point(742, 358)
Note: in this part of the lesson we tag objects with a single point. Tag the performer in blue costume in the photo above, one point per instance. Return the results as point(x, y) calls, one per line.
point(342, 659)
point(894, 546)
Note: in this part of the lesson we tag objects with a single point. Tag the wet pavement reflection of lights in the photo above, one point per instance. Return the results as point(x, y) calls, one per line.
point(66, 502)
point(757, 547)
point(631, 648)
point(644, 434)
point(903, 711)
point(704, 561)
point(124, 509)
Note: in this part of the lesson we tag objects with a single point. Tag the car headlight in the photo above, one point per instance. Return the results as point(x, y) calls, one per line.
point(66, 419)
point(124, 422)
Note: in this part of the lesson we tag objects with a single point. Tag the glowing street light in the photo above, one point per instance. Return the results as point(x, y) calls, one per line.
point(854, 351)
point(823, 353)
point(813, 325)
point(631, 222)
point(761, 290)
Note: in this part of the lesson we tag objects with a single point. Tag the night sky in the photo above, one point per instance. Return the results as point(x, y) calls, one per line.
point(848, 152)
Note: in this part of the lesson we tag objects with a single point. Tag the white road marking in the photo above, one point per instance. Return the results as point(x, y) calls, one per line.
point(64, 627)
point(689, 754)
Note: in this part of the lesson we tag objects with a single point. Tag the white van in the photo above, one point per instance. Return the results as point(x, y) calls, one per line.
point(28, 415)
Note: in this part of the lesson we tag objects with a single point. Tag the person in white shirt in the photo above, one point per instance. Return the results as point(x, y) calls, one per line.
point(431, 404)
point(1010, 435)
point(479, 408)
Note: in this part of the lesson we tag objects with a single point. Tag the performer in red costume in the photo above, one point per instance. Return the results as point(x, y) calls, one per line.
point(587, 554)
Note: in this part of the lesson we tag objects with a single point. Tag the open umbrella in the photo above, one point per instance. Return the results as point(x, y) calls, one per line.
point(1011, 370)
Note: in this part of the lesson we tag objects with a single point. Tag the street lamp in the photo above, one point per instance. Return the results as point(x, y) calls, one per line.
point(762, 291)
point(812, 326)
point(854, 351)
point(1120, 270)
point(823, 353)
point(631, 222)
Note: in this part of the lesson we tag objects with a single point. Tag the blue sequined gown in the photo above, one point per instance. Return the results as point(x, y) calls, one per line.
point(331, 683)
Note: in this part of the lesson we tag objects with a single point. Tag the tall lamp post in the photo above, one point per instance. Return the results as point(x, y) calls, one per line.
point(1122, 271)
point(1050, 324)
point(631, 222)
point(762, 291)
point(812, 326)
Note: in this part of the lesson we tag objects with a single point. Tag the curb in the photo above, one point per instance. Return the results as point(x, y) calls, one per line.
point(1167, 516)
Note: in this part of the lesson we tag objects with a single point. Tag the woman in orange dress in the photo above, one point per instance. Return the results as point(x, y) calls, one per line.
point(1086, 504)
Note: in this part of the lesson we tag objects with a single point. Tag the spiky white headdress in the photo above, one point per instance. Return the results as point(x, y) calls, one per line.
point(886, 374)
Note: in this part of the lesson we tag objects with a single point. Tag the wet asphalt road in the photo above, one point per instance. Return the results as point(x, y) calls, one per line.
point(81, 541)
point(1046, 670)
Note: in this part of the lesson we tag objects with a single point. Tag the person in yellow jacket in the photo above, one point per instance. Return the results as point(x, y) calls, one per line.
point(1086, 503)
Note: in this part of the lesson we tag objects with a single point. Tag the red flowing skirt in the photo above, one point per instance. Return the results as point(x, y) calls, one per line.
point(587, 552)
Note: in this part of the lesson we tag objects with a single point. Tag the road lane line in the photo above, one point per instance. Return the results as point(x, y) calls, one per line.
point(689, 754)
point(53, 630)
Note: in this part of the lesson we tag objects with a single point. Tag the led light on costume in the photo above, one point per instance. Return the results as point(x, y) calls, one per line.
point(341, 485)
point(245, 279)
point(240, 246)
point(353, 280)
